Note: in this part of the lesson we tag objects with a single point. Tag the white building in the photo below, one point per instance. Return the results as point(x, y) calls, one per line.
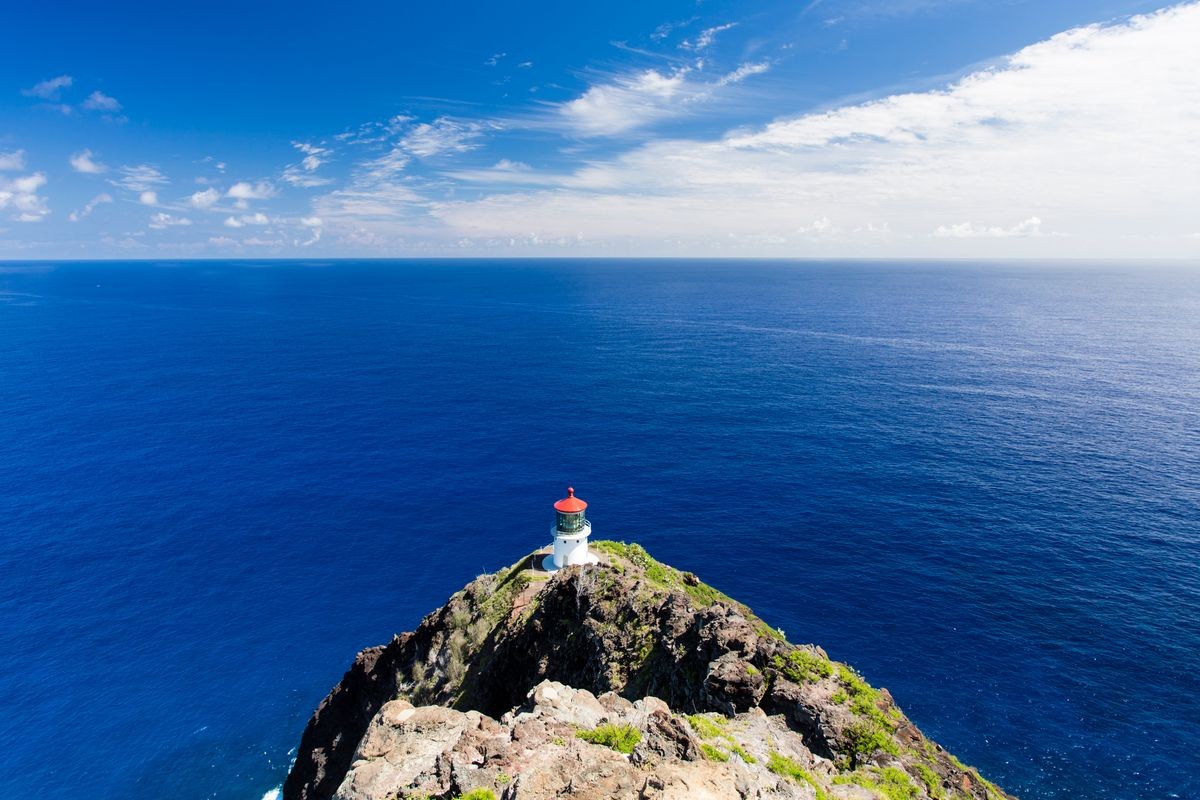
point(571, 530)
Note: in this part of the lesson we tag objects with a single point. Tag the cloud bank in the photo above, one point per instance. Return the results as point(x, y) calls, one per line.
point(1075, 143)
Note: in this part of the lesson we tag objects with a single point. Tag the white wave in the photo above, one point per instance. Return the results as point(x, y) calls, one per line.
point(274, 794)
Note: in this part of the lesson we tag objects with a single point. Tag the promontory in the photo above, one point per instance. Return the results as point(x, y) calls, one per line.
point(625, 679)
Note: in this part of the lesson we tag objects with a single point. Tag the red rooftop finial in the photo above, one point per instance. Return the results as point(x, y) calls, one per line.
point(570, 504)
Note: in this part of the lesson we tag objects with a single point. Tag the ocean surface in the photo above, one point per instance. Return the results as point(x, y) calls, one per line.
point(977, 483)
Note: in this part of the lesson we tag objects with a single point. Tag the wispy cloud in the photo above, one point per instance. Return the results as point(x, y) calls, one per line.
point(139, 178)
point(12, 161)
point(163, 220)
point(443, 135)
point(635, 100)
point(706, 37)
point(103, 197)
point(247, 219)
point(99, 101)
point(301, 174)
point(49, 89)
point(968, 230)
point(84, 162)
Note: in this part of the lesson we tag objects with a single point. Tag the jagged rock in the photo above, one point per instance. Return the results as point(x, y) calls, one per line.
point(490, 691)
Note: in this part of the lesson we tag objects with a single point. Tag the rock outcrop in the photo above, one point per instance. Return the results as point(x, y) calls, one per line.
point(627, 679)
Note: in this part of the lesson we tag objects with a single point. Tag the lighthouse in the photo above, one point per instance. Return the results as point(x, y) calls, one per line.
point(571, 530)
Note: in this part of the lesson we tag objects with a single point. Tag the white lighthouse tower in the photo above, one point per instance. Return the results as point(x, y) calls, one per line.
point(571, 530)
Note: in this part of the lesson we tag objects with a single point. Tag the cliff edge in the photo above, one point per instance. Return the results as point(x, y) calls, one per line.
point(626, 679)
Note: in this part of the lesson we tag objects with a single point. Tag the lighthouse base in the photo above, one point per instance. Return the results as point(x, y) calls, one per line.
point(582, 559)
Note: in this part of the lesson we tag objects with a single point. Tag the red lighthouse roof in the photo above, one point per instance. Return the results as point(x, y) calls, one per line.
point(570, 504)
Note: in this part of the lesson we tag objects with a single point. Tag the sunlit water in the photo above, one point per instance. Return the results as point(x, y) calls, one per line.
point(978, 483)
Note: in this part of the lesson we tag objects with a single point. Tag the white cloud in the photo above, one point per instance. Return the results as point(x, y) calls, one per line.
point(247, 219)
point(244, 191)
point(635, 100)
point(301, 174)
point(967, 230)
point(443, 135)
point(20, 197)
point(83, 162)
point(204, 199)
point(141, 178)
point(495, 59)
point(148, 198)
point(49, 89)
point(1089, 134)
point(12, 161)
point(628, 102)
point(706, 37)
point(163, 220)
point(103, 197)
point(99, 101)
point(744, 71)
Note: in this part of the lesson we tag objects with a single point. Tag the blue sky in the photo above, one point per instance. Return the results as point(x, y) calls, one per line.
point(824, 128)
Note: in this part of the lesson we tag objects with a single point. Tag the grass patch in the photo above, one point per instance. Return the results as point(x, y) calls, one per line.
point(932, 783)
point(665, 577)
point(478, 794)
point(713, 753)
point(742, 754)
point(622, 738)
point(787, 768)
point(891, 782)
point(839, 697)
point(707, 727)
point(802, 666)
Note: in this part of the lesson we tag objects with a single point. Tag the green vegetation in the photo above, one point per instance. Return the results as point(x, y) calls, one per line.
point(891, 782)
point(865, 737)
point(785, 767)
point(707, 727)
point(713, 753)
point(839, 697)
point(622, 738)
point(503, 779)
point(742, 754)
point(802, 666)
point(931, 781)
point(872, 732)
point(478, 794)
point(666, 577)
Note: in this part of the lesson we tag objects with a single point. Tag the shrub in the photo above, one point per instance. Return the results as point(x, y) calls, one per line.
point(865, 737)
point(622, 738)
point(713, 753)
point(801, 666)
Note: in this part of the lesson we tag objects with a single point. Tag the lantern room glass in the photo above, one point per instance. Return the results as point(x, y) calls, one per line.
point(571, 523)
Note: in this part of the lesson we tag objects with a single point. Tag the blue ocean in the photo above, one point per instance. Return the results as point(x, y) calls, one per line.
point(979, 483)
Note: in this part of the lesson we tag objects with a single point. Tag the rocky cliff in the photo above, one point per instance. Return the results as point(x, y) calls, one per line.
point(627, 679)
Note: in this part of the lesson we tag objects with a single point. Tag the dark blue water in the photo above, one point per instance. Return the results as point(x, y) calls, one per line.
point(980, 484)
